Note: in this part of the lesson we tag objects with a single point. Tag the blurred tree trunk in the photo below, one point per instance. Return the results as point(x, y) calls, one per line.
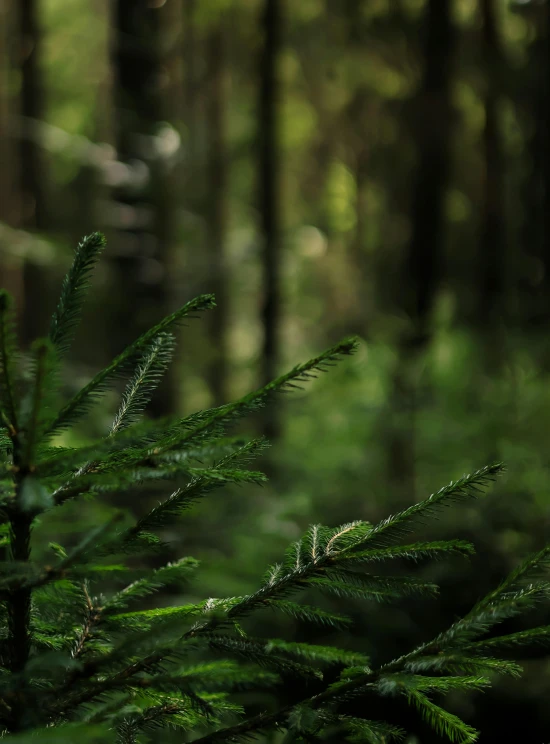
point(545, 145)
point(421, 268)
point(144, 209)
point(433, 134)
point(194, 168)
point(32, 110)
point(536, 186)
point(492, 321)
point(361, 137)
point(11, 275)
point(492, 246)
point(87, 192)
point(31, 171)
point(217, 208)
point(269, 157)
point(6, 123)
point(190, 74)
point(360, 247)
point(83, 194)
point(538, 209)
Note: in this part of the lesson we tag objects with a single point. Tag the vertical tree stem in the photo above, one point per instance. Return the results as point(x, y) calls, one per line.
point(269, 199)
point(19, 603)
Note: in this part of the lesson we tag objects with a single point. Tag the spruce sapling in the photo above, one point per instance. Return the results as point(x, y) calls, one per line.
point(82, 657)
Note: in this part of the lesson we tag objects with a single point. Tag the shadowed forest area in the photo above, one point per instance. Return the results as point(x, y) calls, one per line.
point(325, 168)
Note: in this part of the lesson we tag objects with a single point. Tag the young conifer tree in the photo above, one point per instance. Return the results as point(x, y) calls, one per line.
point(82, 659)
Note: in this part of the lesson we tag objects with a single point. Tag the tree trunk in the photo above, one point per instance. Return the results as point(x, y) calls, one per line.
point(492, 247)
point(32, 109)
point(545, 144)
point(269, 156)
point(6, 123)
point(545, 148)
point(421, 267)
point(190, 76)
point(143, 198)
point(11, 275)
point(217, 209)
point(536, 187)
point(356, 123)
point(493, 254)
point(32, 193)
point(433, 145)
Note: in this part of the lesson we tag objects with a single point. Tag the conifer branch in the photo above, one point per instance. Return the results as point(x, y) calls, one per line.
point(154, 362)
point(211, 423)
point(36, 406)
point(66, 316)
point(248, 403)
point(218, 475)
point(66, 733)
point(377, 732)
point(398, 525)
point(321, 551)
point(443, 722)
point(367, 679)
point(93, 616)
point(533, 636)
point(510, 598)
point(156, 359)
point(415, 552)
point(84, 399)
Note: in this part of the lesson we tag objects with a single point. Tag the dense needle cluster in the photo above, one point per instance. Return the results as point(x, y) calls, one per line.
point(81, 657)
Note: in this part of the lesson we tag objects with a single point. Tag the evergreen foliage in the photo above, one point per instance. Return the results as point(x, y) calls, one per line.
point(84, 656)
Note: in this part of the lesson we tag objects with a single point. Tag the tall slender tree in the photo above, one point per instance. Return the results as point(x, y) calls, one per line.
point(10, 267)
point(190, 73)
point(422, 261)
point(492, 246)
point(217, 207)
point(6, 160)
point(545, 127)
point(142, 261)
point(535, 198)
point(545, 144)
point(433, 140)
point(269, 159)
point(33, 210)
point(32, 111)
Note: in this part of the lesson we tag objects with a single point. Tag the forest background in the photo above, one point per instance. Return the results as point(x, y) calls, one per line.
point(325, 167)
